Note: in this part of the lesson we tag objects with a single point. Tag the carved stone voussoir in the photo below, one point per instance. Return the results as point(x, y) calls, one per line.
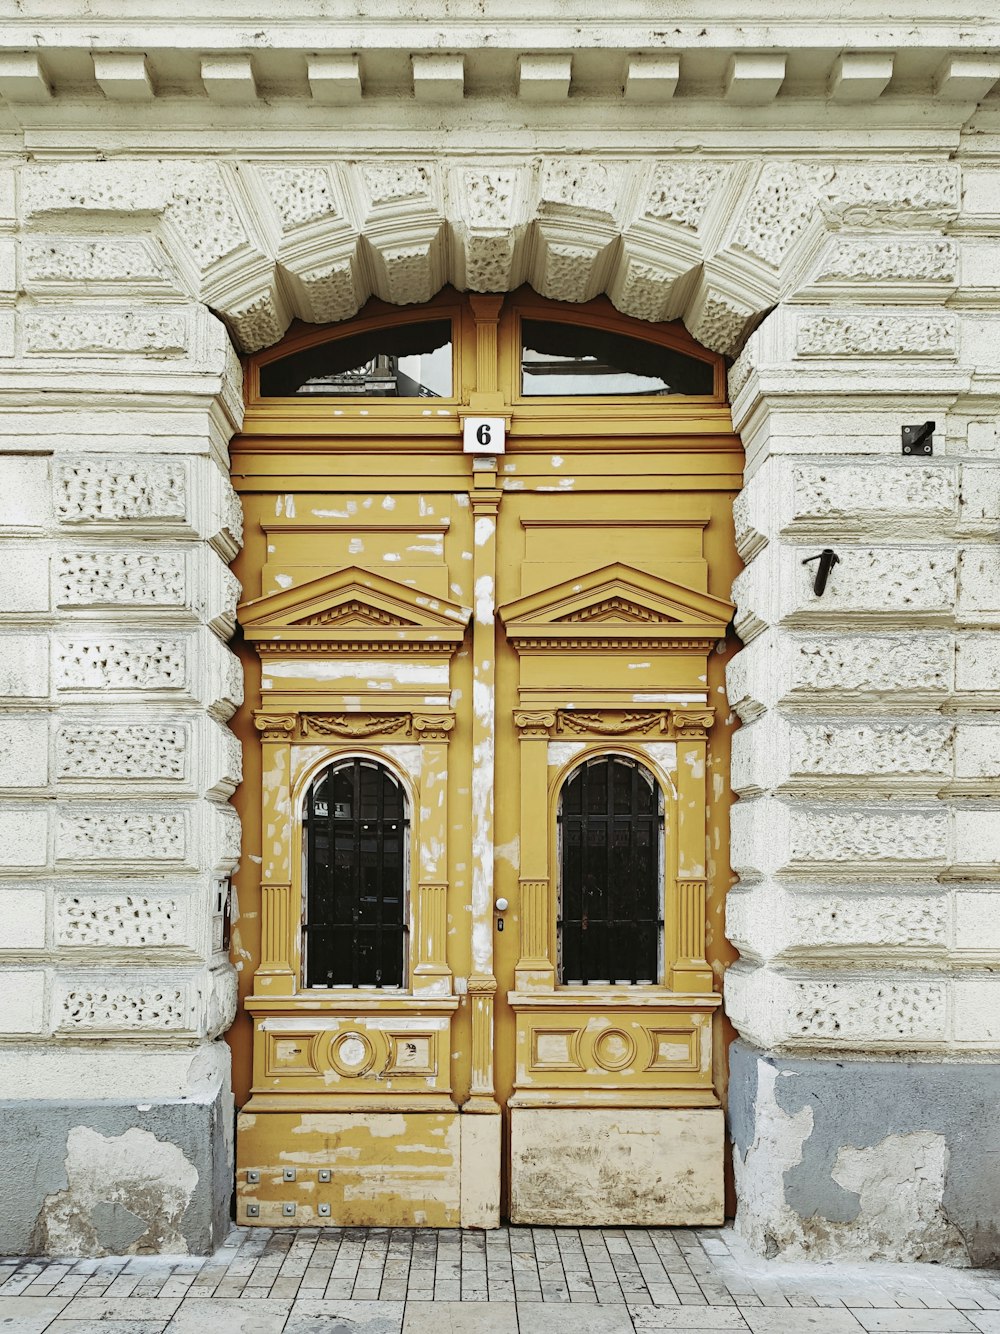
point(356, 725)
point(534, 723)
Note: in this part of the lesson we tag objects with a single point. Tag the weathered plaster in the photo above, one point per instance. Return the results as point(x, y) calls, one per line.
point(876, 1159)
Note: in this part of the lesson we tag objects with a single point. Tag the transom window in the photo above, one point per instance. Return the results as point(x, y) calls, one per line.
point(401, 361)
point(356, 824)
point(611, 873)
point(573, 360)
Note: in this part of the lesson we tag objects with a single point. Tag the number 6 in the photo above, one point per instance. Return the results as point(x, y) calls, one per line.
point(483, 436)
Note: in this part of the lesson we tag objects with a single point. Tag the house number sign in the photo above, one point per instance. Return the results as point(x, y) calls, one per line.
point(483, 435)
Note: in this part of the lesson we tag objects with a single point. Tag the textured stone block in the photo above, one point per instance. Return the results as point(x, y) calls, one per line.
point(769, 836)
point(769, 922)
point(838, 498)
point(778, 752)
point(852, 1011)
point(909, 585)
point(24, 751)
point(857, 671)
point(977, 665)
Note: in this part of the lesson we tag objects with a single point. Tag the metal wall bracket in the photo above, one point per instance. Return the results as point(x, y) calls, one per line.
point(919, 439)
point(827, 558)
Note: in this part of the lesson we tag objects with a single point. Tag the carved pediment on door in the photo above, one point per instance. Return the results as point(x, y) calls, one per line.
point(617, 606)
point(352, 610)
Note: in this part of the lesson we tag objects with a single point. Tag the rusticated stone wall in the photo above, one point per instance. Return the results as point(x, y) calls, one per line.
point(867, 835)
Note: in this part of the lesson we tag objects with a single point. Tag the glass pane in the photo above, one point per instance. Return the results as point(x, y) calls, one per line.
point(611, 832)
point(356, 838)
point(410, 361)
point(569, 359)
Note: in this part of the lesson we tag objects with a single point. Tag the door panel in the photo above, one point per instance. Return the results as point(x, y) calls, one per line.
point(480, 628)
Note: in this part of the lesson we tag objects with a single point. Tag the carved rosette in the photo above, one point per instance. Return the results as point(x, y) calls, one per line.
point(275, 726)
point(531, 725)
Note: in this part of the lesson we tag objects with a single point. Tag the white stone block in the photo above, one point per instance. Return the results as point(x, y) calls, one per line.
point(544, 78)
point(860, 76)
point(123, 76)
point(771, 836)
point(977, 922)
point(977, 840)
point(860, 670)
point(24, 491)
point(982, 438)
point(24, 577)
point(24, 750)
point(769, 922)
point(854, 1010)
point(22, 1001)
point(775, 752)
point(335, 80)
point(23, 79)
point(966, 77)
point(24, 666)
point(977, 664)
point(753, 78)
point(977, 1010)
point(981, 493)
point(652, 78)
point(22, 919)
point(438, 77)
point(979, 586)
point(23, 837)
point(229, 79)
point(977, 751)
point(908, 585)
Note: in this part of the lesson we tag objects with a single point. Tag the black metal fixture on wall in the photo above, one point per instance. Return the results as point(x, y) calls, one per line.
point(827, 558)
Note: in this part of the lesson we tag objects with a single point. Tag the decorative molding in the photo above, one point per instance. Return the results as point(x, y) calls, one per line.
point(434, 726)
point(275, 726)
point(877, 336)
point(115, 488)
point(691, 723)
point(608, 723)
point(137, 664)
point(355, 725)
point(531, 724)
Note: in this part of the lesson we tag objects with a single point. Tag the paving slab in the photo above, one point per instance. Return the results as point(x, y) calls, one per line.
point(29, 1315)
point(345, 1317)
point(239, 1316)
point(460, 1318)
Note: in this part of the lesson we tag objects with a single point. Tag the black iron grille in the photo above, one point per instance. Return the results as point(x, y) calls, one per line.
point(356, 830)
point(611, 824)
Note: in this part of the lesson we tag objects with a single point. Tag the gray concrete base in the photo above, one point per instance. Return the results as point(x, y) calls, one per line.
point(889, 1160)
point(113, 1178)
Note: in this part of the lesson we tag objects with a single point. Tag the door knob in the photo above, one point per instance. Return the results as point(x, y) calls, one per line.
point(502, 905)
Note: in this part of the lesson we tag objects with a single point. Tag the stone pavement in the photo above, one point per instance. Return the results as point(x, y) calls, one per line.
point(518, 1280)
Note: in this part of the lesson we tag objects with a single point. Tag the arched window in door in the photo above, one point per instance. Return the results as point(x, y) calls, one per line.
point(611, 873)
point(356, 828)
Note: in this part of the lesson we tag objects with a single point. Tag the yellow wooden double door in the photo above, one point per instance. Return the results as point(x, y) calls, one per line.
point(479, 915)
